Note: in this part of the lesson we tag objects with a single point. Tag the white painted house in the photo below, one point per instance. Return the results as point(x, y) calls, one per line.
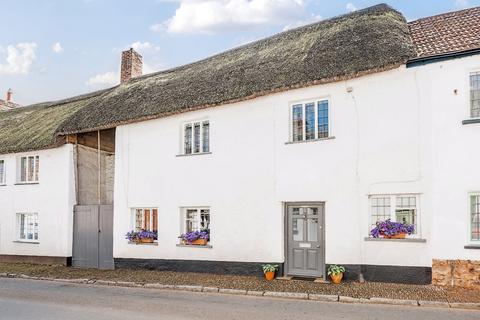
point(289, 150)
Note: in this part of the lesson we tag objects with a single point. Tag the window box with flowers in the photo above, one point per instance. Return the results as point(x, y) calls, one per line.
point(196, 238)
point(142, 236)
point(391, 230)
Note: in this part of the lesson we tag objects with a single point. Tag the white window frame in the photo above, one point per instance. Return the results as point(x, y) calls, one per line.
point(393, 206)
point(183, 216)
point(192, 123)
point(19, 227)
point(133, 213)
point(3, 177)
point(470, 218)
point(304, 129)
point(470, 72)
point(36, 169)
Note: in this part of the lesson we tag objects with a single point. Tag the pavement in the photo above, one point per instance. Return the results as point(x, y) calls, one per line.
point(34, 299)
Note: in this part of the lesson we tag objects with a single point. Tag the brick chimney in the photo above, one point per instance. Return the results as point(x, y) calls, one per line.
point(132, 63)
point(9, 95)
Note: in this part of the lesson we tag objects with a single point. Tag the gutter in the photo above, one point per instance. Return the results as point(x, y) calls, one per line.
point(417, 62)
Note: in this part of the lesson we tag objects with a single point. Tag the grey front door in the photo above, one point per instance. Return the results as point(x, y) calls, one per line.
point(305, 240)
point(93, 237)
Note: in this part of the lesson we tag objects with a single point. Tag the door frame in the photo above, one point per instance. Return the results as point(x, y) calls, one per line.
point(286, 235)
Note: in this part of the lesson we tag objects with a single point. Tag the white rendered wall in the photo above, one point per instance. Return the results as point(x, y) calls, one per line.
point(252, 172)
point(52, 198)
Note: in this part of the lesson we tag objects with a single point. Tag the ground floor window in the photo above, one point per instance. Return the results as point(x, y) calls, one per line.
point(2, 172)
point(27, 226)
point(475, 217)
point(196, 219)
point(145, 219)
point(399, 208)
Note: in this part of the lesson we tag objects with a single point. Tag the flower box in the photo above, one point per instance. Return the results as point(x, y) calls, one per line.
point(396, 236)
point(196, 238)
point(199, 242)
point(391, 230)
point(142, 236)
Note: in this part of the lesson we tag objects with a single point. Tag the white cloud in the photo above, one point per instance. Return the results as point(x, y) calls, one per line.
point(144, 47)
point(351, 7)
point(57, 47)
point(313, 18)
point(462, 4)
point(19, 58)
point(209, 16)
point(105, 79)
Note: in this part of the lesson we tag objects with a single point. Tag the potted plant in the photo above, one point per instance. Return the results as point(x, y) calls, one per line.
point(336, 273)
point(198, 238)
point(391, 230)
point(269, 271)
point(142, 236)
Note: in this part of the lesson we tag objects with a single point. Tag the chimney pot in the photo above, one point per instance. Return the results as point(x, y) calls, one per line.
point(9, 95)
point(132, 63)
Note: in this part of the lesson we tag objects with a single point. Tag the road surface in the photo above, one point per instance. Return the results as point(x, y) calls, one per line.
point(39, 300)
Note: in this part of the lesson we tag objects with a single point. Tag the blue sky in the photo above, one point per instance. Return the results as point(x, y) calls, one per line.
point(52, 49)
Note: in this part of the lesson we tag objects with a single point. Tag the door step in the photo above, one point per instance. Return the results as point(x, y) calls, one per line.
point(284, 278)
point(320, 280)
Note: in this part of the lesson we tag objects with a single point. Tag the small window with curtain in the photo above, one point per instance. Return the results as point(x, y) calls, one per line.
point(310, 120)
point(3, 175)
point(145, 219)
point(27, 230)
point(196, 220)
point(475, 95)
point(29, 169)
point(196, 137)
point(475, 217)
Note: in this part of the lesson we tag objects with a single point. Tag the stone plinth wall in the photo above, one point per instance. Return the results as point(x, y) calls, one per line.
point(461, 273)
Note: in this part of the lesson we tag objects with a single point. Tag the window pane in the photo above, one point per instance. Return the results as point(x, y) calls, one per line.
point(197, 137)
point(191, 223)
point(23, 169)
point(204, 219)
point(31, 170)
point(35, 227)
point(380, 209)
point(188, 139)
point(37, 165)
point(297, 226)
point(322, 114)
point(146, 220)
point(475, 95)
point(475, 212)
point(138, 219)
point(22, 226)
point(310, 121)
point(406, 211)
point(297, 122)
point(206, 136)
point(154, 220)
point(2, 171)
point(312, 229)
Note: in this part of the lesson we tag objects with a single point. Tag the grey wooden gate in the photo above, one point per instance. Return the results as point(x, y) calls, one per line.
point(93, 237)
point(305, 240)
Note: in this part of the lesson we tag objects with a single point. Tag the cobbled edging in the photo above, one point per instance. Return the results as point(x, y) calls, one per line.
point(271, 294)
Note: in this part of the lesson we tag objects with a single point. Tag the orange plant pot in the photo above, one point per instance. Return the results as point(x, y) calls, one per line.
point(397, 236)
point(146, 240)
point(336, 278)
point(199, 242)
point(269, 275)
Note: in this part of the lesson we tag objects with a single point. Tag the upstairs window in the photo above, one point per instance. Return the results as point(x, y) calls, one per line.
point(145, 219)
point(475, 217)
point(310, 120)
point(196, 137)
point(475, 95)
point(27, 226)
point(2, 172)
point(29, 167)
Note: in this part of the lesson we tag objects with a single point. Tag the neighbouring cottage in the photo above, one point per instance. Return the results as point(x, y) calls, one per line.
point(287, 150)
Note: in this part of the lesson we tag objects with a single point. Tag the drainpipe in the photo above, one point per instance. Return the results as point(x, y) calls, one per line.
point(99, 190)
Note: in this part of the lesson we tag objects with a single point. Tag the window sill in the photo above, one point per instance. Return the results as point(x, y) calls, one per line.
point(472, 246)
point(143, 243)
point(471, 121)
point(3, 184)
point(193, 154)
point(27, 241)
point(22, 183)
point(194, 246)
point(312, 140)
point(397, 240)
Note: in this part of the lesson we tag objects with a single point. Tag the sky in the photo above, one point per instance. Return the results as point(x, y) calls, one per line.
point(54, 49)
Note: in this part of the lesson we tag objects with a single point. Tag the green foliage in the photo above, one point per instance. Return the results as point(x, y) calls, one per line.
point(269, 268)
point(334, 269)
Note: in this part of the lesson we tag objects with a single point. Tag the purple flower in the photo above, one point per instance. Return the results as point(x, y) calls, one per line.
point(195, 235)
point(389, 228)
point(142, 234)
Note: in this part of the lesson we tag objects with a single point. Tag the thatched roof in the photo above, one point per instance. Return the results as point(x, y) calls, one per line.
point(34, 127)
point(359, 43)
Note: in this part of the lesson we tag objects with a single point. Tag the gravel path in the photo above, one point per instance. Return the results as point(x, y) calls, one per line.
point(350, 288)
